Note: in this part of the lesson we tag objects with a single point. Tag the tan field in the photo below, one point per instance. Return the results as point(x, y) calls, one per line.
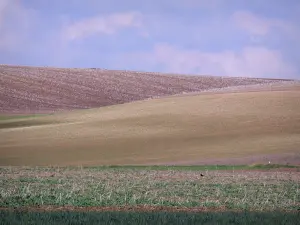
point(173, 130)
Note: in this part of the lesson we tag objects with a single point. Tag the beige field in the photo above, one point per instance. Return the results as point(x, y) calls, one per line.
point(173, 130)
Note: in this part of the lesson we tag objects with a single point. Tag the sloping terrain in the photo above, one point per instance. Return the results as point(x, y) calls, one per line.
point(42, 90)
point(173, 130)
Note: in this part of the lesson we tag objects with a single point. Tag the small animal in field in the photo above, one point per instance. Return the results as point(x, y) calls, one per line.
point(201, 174)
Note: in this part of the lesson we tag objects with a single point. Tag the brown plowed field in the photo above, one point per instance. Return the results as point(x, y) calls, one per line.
point(42, 89)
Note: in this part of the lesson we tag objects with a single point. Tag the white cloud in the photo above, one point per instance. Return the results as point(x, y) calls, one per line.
point(197, 3)
point(258, 25)
point(15, 22)
point(3, 6)
point(108, 24)
point(250, 62)
point(251, 23)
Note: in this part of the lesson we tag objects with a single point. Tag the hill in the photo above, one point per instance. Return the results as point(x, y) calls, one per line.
point(42, 90)
point(257, 126)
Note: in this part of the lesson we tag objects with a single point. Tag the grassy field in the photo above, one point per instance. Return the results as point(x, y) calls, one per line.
point(186, 129)
point(115, 187)
point(9, 117)
point(256, 194)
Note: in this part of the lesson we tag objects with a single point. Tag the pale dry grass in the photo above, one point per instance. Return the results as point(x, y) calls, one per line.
point(158, 131)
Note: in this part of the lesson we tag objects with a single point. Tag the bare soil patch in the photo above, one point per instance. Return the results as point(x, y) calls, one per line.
point(45, 90)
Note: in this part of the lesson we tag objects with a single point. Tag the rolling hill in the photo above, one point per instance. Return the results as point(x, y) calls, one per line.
point(186, 129)
point(26, 89)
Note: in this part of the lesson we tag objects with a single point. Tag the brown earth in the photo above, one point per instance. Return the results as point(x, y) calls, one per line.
point(137, 208)
point(44, 90)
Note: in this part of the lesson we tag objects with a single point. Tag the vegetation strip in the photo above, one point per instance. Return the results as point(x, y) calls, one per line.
point(140, 218)
point(136, 208)
point(163, 167)
point(196, 167)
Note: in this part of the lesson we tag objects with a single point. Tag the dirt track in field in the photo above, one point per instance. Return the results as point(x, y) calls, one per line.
point(137, 208)
point(45, 90)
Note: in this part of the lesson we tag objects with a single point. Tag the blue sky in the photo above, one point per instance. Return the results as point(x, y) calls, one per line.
point(217, 37)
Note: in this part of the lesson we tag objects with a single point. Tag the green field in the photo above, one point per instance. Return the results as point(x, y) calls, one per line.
point(240, 189)
point(173, 130)
point(6, 117)
point(256, 194)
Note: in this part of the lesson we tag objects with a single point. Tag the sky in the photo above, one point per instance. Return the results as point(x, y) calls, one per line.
point(257, 38)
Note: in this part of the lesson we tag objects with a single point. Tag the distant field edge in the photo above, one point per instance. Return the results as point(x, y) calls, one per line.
point(172, 167)
point(195, 167)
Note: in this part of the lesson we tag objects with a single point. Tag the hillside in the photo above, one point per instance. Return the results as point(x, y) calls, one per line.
point(175, 130)
point(43, 90)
